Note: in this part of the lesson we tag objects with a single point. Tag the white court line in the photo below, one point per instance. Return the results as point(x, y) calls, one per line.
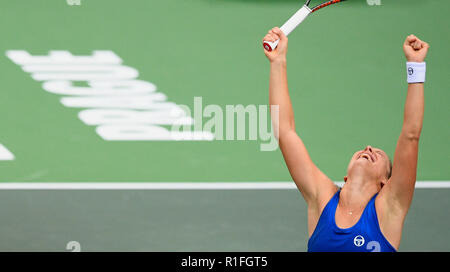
point(282, 185)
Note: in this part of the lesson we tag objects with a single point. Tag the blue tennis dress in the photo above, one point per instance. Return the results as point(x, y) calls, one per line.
point(364, 236)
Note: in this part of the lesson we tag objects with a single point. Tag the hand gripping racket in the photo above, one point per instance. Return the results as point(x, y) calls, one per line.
point(296, 19)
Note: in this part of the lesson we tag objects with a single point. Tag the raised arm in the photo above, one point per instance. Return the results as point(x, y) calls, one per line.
point(400, 187)
point(311, 182)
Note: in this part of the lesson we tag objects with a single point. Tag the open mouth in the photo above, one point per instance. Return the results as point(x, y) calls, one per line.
point(366, 156)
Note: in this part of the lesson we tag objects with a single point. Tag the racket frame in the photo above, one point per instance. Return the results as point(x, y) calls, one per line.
point(296, 20)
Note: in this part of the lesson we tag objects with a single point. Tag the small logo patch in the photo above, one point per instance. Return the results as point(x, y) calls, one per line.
point(358, 241)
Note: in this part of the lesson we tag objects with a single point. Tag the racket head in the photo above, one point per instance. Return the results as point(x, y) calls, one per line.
point(325, 4)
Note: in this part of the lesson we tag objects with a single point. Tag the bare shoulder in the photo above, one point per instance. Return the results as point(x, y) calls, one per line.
point(325, 191)
point(387, 203)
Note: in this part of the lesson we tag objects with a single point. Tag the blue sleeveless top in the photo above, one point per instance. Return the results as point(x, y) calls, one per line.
point(364, 236)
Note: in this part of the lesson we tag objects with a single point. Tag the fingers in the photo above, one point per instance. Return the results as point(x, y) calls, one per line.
point(415, 43)
point(410, 39)
point(279, 33)
point(274, 34)
point(425, 47)
point(270, 36)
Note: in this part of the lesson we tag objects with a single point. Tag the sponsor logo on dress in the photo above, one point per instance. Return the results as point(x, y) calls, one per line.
point(358, 241)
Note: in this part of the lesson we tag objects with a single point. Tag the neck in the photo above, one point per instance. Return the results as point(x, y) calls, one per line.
point(356, 193)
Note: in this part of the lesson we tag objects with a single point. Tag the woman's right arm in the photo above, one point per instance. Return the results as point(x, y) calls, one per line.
point(315, 186)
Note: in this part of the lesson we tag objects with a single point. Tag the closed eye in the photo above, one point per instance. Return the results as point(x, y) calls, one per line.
point(380, 153)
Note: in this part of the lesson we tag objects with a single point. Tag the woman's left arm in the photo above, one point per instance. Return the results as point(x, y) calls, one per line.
point(400, 187)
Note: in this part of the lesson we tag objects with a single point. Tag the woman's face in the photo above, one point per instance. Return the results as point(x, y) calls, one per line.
point(371, 161)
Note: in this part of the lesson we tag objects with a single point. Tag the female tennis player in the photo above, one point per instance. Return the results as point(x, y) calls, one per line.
point(368, 212)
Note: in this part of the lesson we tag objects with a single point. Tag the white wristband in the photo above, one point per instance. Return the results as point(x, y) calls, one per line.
point(415, 72)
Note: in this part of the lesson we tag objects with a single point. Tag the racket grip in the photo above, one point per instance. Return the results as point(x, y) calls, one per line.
point(269, 46)
point(289, 26)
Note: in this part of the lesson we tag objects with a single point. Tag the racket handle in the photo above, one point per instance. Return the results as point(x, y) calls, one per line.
point(289, 26)
point(269, 46)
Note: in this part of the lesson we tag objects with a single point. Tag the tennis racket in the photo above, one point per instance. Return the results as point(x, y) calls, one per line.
point(296, 19)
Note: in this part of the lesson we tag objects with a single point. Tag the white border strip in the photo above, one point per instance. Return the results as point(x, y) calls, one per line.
point(281, 185)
